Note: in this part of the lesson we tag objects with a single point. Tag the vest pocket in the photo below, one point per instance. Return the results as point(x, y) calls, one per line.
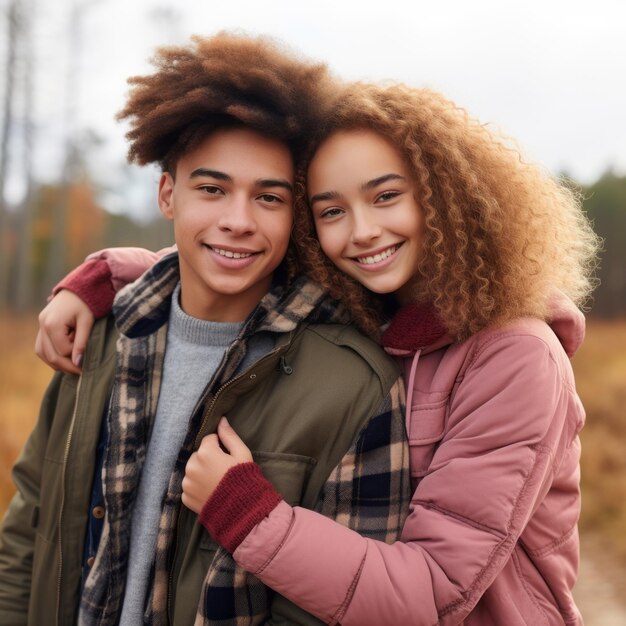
point(289, 473)
point(426, 429)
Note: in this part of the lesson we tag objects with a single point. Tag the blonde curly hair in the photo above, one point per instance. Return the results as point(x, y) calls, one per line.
point(500, 234)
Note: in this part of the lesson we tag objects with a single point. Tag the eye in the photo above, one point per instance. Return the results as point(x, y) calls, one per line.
point(211, 190)
point(270, 198)
point(386, 196)
point(330, 212)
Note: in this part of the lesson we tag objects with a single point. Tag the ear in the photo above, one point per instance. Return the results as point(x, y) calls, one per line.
point(166, 191)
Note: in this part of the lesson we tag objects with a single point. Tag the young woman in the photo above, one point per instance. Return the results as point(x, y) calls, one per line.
point(478, 260)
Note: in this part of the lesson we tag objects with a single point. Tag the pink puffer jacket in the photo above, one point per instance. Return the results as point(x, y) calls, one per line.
point(491, 538)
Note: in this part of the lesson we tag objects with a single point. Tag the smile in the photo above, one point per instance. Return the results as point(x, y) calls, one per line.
point(229, 254)
point(379, 256)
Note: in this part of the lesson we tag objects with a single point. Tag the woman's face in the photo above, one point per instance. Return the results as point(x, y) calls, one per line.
point(368, 222)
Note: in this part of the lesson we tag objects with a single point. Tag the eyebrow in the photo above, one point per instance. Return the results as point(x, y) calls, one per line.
point(259, 182)
point(385, 178)
point(326, 195)
point(370, 184)
point(202, 172)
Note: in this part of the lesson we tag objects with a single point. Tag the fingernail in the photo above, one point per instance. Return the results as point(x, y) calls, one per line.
point(77, 360)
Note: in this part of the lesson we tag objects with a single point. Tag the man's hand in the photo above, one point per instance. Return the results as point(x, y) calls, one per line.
point(64, 327)
point(206, 467)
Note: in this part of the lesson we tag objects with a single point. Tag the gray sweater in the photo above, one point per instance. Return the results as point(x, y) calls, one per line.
point(193, 353)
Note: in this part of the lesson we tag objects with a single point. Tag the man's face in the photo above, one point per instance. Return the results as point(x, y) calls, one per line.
point(232, 208)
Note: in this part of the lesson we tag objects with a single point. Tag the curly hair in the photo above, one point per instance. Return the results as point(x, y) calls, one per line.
point(226, 80)
point(500, 234)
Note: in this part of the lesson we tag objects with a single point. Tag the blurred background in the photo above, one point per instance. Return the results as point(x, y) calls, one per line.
point(551, 74)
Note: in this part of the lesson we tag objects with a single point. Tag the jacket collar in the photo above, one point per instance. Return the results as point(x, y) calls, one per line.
point(416, 327)
point(142, 307)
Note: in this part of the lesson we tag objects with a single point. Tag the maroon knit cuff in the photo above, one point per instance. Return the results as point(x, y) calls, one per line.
point(91, 282)
point(242, 499)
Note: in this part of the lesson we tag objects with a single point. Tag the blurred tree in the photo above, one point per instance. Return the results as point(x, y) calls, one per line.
point(73, 158)
point(121, 230)
point(16, 144)
point(13, 28)
point(22, 295)
point(605, 203)
point(85, 225)
point(88, 228)
point(85, 229)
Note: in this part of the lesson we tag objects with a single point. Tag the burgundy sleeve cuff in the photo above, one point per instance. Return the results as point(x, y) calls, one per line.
point(242, 499)
point(91, 282)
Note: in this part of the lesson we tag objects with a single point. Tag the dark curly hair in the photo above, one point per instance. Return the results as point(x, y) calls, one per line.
point(226, 80)
point(500, 234)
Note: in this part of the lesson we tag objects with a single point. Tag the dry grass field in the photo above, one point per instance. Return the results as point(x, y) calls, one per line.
point(600, 368)
point(601, 378)
point(23, 380)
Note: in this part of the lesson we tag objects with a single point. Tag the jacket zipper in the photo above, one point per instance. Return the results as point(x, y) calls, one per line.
point(60, 520)
point(196, 443)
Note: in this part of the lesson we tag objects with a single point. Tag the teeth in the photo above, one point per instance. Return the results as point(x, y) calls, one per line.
point(377, 258)
point(232, 255)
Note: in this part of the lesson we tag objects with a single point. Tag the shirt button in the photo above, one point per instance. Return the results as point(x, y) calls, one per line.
point(90, 561)
point(98, 512)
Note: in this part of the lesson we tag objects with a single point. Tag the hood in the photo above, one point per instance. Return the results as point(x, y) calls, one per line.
point(417, 327)
point(567, 322)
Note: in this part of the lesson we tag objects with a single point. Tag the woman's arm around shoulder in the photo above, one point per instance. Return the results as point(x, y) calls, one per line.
point(86, 294)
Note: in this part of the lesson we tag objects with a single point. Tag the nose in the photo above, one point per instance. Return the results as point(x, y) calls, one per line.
point(365, 227)
point(238, 217)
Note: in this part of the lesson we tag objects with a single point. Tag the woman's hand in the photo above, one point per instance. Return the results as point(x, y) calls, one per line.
point(206, 467)
point(64, 327)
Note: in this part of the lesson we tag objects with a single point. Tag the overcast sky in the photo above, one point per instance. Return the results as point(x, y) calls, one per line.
point(551, 73)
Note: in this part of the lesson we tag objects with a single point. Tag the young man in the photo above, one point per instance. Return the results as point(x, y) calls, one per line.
point(96, 533)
